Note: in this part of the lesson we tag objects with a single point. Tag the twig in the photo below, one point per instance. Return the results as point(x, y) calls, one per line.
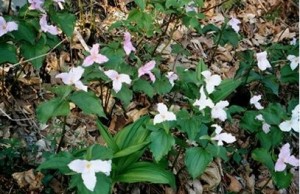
point(62, 135)
point(6, 115)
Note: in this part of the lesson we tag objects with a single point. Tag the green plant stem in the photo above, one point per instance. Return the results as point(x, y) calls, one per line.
point(218, 42)
point(62, 135)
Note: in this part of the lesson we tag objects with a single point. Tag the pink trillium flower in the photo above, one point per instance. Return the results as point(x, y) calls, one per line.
point(265, 126)
point(146, 69)
point(255, 101)
point(294, 61)
point(211, 81)
point(172, 77)
point(88, 170)
point(284, 158)
point(73, 77)
point(36, 5)
point(262, 61)
point(204, 101)
point(47, 28)
point(220, 137)
point(94, 57)
point(218, 111)
point(234, 24)
point(117, 79)
point(127, 45)
point(6, 27)
point(164, 114)
point(293, 123)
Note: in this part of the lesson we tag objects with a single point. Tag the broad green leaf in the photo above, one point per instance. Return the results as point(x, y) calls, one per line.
point(8, 53)
point(25, 32)
point(282, 179)
point(287, 75)
point(162, 86)
point(146, 172)
point(196, 161)
point(61, 90)
point(229, 36)
point(217, 151)
point(64, 20)
point(263, 155)
point(189, 124)
point(36, 53)
point(274, 113)
point(59, 162)
point(161, 143)
point(271, 82)
point(125, 95)
point(103, 184)
point(142, 85)
point(100, 152)
point(131, 149)
point(88, 102)
point(141, 3)
point(52, 108)
point(132, 134)
point(249, 122)
point(225, 89)
point(271, 139)
point(107, 136)
point(199, 69)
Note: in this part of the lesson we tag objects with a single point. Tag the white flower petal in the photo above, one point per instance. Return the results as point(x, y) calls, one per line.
point(125, 78)
point(262, 61)
point(79, 85)
point(89, 180)
point(162, 108)
point(77, 165)
point(286, 125)
point(102, 166)
point(158, 119)
point(117, 85)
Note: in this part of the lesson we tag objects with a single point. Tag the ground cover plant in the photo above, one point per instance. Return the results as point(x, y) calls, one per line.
point(139, 96)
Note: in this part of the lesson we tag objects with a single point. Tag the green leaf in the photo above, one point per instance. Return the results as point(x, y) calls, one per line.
point(131, 149)
point(25, 32)
point(8, 53)
point(162, 85)
point(88, 102)
point(189, 124)
point(143, 86)
point(35, 52)
point(62, 91)
point(282, 179)
point(229, 36)
point(263, 155)
point(161, 143)
point(225, 89)
point(274, 113)
point(146, 172)
point(272, 139)
point(249, 122)
point(100, 152)
point(107, 137)
point(270, 81)
point(196, 161)
point(125, 95)
point(64, 20)
point(59, 162)
point(217, 151)
point(141, 3)
point(287, 75)
point(52, 108)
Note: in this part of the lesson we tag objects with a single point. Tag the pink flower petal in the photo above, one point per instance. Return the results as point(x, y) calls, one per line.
point(127, 45)
point(280, 165)
point(101, 59)
point(88, 61)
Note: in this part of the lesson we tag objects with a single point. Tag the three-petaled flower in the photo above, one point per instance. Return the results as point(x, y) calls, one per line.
point(6, 27)
point(218, 111)
point(163, 115)
point(73, 77)
point(127, 45)
point(220, 137)
point(172, 77)
point(211, 81)
point(204, 101)
point(284, 158)
point(255, 101)
point(294, 61)
point(36, 5)
point(146, 70)
point(262, 61)
point(117, 79)
point(234, 23)
point(94, 57)
point(47, 28)
point(293, 123)
point(88, 170)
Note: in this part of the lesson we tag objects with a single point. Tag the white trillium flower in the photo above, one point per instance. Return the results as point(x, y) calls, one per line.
point(164, 114)
point(294, 61)
point(211, 81)
point(262, 61)
point(293, 41)
point(6, 27)
point(220, 137)
point(218, 111)
point(172, 77)
point(293, 123)
point(265, 126)
point(234, 23)
point(88, 170)
point(255, 101)
point(204, 101)
point(73, 77)
point(117, 79)
point(284, 158)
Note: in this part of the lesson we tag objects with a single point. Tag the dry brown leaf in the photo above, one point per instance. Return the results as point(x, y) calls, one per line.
point(284, 34)
point(211, 176)
point(29, 179)
point(235, 185)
